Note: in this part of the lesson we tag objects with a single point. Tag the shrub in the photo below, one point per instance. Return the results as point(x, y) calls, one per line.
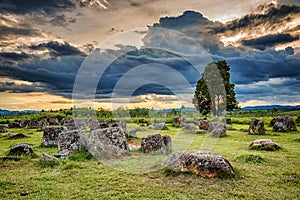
point(249, 158)
point(298, 120)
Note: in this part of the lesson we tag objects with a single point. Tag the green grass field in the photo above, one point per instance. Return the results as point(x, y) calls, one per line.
point(81, 178)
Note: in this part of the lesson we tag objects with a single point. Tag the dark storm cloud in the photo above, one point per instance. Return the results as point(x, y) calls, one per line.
point(35, 6)
point(15, 32)
point(58, 49)
point(194, 25)
point(151, 58)
point(56, 71)
point(13, 56)
point(268, 16)
point(267, 41)
point(55, 75)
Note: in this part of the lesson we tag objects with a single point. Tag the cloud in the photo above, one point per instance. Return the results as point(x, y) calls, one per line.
point(58, 49)
point(267, 19)
point(269, 16)
point(50, 64)
point(36, 6)
point(269, 41)
point(53, 71)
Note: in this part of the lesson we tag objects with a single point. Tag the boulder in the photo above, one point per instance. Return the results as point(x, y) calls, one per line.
point(217, 129)
point(70, 142)
point(47, 158)
point(69, 124)
point(122, 124)
point(257, 127)
point(160, 126)
point(14, 125)
point(33, 124)
point(226, 120)
point(53, 121)
point(3, 129)
point(137, 129)
point(101, 124)
point(50, 136)
point(24, 123)
point(42, 124)
point(264, 144)
point(205, 164)
point(108, 143)
point(131, 134)
point(279, 127)
point(288, 121)
point(17, 136)
point(9, 134)
point(156, 144)
point(189, 127)
point(20, 149)
point(204, 124)
point(178, 121)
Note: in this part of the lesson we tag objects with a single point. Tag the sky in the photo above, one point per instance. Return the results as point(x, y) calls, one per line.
point(145, 53)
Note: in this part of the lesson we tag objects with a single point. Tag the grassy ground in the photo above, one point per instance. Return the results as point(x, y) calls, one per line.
point(90, 179)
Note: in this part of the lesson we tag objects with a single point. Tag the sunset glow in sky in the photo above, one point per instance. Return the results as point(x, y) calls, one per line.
point(44, 43)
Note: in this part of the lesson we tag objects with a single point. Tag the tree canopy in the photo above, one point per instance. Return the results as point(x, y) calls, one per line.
point(214, 92)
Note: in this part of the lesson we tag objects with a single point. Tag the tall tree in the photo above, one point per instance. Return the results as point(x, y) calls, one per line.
point(214, 92)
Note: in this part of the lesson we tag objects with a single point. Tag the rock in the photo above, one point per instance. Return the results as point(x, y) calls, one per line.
point(70, 142)
point(9, 134)
point(3, 129)
point(33, 124)
point(156, 144)
point(189, 127)
point(24, 123)
point(53, 121)
point(137, 129)
point(160, 126)
point(20, 149)
point(205, 164)
point(101, 124)
point(47, 158)
point(288, 121)
point(178, 121)
point(17, 136)
point(50, 136)
point(108, 143)
point(131, 134)
point(226, 120)
point(122, 124)
point(151, 126)
point(264, 144)
point(279, 127)
point(69, 124)
point(257, 127)
point(14, 125)
point(217, 129)
point(42, 124)
point(204, 124)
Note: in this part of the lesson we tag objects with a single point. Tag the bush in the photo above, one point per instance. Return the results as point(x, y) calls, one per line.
point(298, 120)
point(81, 156)
point(249, 158)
